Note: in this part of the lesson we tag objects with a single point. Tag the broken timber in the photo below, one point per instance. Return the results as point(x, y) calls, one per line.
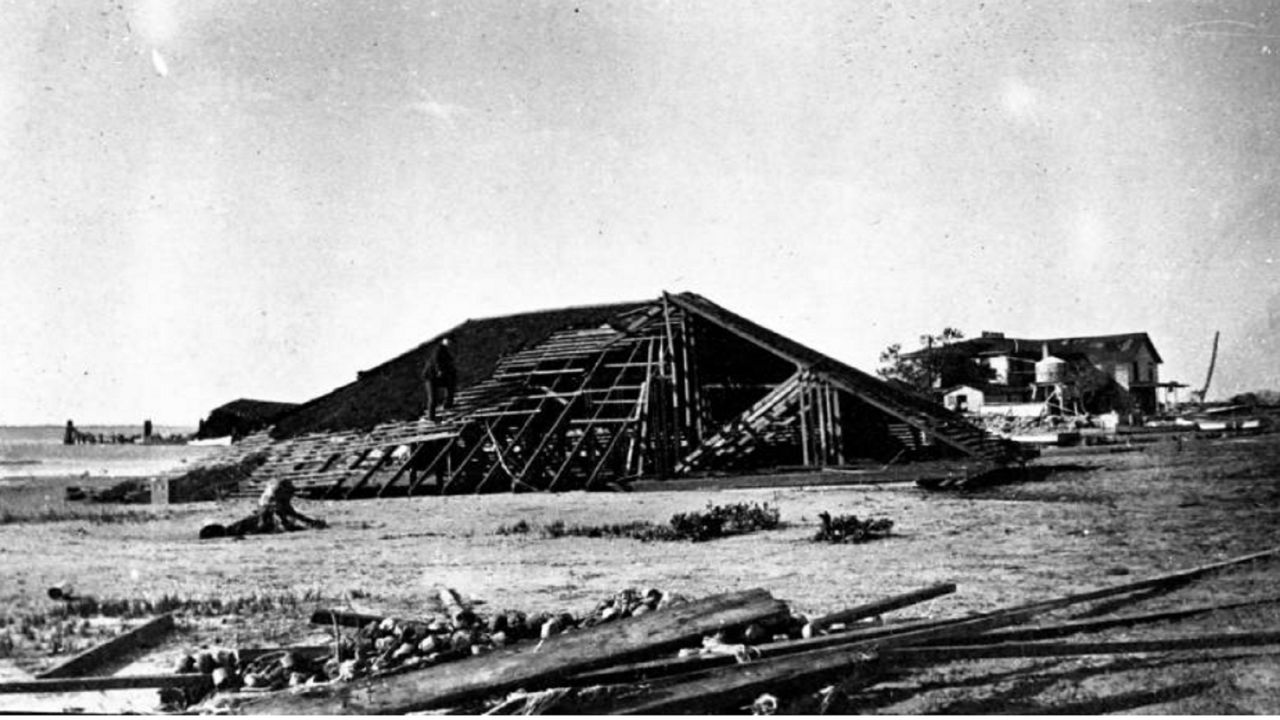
point(880, 607)
point(195, 681)
point(508, 669)
point(145, 635)
point(997, 618)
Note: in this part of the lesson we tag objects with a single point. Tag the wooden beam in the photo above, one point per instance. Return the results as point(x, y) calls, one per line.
point(504, 670)
point(879, 607)
point(455, 472)
point(197, 681)
point(329, 618)
point(526, 425)
point(608, 451)
point(804, 420)
point(559, 422)
point(716, 690)
point(1014, 615)
point(839, 425)
point(1062, 649)
point(590, 426)
point(1075, 627)
point(431, 466)
point(143, 636)
point(382, 460)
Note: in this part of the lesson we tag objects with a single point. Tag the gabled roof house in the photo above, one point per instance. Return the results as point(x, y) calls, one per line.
point(593, 397)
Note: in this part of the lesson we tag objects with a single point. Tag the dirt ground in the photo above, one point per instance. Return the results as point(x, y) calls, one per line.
point(1084, 520)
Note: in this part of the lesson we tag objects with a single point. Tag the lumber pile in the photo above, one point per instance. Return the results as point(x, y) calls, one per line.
point(726, 653)
point(644, 651)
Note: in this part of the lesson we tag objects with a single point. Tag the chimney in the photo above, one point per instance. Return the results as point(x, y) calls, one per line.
point(1044, 351)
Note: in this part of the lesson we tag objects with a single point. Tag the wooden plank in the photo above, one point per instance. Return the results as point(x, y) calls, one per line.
point(671, 666)
point(1076, 627)
point(145, 635)
point(429, 469)
point(364, 479)
point(880, 607)
point(197, 681)
point(1063, 649)
point(718, 689)
point(508, 669)
point(311, 652)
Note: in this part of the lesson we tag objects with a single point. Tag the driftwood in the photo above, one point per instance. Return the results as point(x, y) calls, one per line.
point(504, 670)
point(147, 634)
point(197, 681)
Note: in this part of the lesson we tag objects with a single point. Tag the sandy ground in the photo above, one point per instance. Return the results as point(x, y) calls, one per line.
point(1088, 521)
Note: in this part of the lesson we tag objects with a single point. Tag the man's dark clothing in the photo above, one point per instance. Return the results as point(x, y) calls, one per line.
point(440, 378)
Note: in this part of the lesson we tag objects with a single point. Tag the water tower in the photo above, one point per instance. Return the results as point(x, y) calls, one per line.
point(1053, 385)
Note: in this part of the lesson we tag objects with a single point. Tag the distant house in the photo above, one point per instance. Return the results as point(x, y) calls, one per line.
point(983, 398)
point(1115, 372)
point(242, 417)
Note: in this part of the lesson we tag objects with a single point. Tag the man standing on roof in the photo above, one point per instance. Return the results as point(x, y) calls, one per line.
point(440, 377)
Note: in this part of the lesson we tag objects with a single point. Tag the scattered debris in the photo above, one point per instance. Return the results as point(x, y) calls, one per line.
point(642, 651)
point(132, 491)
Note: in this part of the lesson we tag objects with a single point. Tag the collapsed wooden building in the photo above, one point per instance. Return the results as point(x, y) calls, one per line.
point(593, 397)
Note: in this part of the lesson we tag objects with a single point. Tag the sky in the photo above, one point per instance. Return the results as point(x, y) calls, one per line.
point(202, 200)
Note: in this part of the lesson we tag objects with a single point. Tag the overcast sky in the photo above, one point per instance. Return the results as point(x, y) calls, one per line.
point(202, 200)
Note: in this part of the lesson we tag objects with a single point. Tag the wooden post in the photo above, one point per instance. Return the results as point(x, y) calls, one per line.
point(804, 419)
point(824, 412)
point(838, 425)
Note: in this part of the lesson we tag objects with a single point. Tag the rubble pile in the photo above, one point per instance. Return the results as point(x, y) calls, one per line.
point(1009, 426)
point(381, 646)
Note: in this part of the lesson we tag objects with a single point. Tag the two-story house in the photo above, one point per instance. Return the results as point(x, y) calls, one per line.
point(1128, 365)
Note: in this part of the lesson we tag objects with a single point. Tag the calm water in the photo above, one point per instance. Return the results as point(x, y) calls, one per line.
point(37, 451)
point(52, 434)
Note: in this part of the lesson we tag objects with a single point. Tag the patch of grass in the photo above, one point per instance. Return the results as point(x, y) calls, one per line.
point(521, 527)
point(715, 522)
point(67, 626)
point(94, 515)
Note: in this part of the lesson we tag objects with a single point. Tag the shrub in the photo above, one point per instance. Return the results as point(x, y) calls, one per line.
point(849, 529)
point(716, 521)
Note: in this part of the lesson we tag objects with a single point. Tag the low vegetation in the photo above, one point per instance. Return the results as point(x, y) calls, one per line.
point(93, 515)
point(851, 529)
point(716, 521)
point(75, 624)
